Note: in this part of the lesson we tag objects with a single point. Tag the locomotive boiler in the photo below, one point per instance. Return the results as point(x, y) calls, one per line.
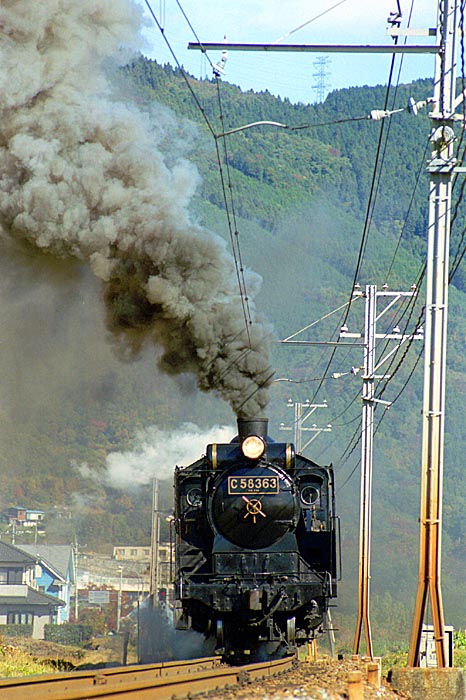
point(256, 545)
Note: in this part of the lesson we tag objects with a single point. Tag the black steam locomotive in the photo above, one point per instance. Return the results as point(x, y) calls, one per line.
point(256, 545)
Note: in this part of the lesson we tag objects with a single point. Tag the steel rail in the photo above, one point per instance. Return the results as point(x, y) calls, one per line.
point(48, 683)
point(155, 681)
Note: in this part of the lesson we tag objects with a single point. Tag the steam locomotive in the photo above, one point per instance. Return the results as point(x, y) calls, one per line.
point(256, 545)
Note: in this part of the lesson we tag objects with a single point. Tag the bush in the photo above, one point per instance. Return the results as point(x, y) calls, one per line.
point(16, 630)
point(459, 638)
point(69, 634)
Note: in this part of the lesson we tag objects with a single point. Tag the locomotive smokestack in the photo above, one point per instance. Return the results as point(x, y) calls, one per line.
point(252, 426)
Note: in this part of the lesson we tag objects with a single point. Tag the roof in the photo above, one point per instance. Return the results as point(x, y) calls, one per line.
point(11, 554)
point(33, 597)
point(56, 557)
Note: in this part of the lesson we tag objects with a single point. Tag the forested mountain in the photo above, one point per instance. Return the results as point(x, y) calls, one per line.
point(299, 206)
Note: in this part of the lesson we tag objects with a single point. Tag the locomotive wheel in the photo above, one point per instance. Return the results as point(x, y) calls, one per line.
point(220, 633)
point(291, 630)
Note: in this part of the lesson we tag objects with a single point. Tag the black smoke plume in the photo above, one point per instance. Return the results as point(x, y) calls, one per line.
point(81, 177)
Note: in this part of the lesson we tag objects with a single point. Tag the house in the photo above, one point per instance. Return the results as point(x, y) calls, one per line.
point(136, 553)
point(21, 603)
point(23, 517)
point(132, 553)
point(54, 573)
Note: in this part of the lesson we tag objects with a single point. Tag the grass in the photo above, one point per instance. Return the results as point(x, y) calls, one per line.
point(459, 658)
point(15, 662)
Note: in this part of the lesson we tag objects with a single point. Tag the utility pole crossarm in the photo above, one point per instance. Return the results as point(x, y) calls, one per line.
point(316, 48)
point(299, 418)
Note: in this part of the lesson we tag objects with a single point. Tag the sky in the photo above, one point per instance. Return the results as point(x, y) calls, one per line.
point(294, 76)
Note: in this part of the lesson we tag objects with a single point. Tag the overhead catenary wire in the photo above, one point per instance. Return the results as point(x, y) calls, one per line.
point(309, 21)
point(409, 309)
point(356, 437)
point(420, 171)
point(374, 184)
point(403, 387)
point(183, 73)
point(227, 187)
point(375, 187)
point(380, 156)
point(229, 206)
point(369, 212)
point(365, 227)
point(314, 323)
point(363, 237)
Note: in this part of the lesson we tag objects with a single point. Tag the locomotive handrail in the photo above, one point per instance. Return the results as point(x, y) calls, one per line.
point(337, 519)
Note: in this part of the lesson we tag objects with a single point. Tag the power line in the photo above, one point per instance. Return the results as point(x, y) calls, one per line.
point(301, 26)
point(229, 202)
point(421, 170)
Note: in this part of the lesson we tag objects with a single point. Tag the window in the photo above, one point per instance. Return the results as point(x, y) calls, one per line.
point(14, 576)
point(134, 552)
point(19, 618)
point(3, 576)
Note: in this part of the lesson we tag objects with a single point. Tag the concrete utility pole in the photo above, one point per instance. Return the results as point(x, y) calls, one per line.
point(299, 418)
point(155, 540)
point(120, 588)
point(367, 436)
point(75, 550)
point(441, 168)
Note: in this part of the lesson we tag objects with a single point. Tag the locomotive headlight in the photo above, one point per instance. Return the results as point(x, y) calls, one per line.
point(253, 447)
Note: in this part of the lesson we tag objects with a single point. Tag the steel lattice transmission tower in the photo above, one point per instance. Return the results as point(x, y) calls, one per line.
point(321, 85)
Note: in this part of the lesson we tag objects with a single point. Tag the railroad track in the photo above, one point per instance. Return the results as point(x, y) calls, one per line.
point(164, 681)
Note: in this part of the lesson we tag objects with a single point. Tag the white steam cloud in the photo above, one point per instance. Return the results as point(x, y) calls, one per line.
point(158, 451)
point(81, 176)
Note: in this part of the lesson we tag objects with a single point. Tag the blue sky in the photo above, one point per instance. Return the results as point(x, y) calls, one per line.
point(284, 74)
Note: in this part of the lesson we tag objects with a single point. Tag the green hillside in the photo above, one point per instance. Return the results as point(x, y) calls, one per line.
point(301, 198)
point(300, 201)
